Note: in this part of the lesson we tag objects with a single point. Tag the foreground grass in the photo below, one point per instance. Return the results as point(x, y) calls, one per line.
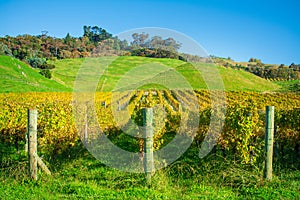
point(77, 175)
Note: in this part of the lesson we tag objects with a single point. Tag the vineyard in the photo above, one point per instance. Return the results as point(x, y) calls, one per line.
point(208, 111)
point(242, 134)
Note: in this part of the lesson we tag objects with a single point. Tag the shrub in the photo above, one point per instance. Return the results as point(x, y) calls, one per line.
point(156, 53)
point(46, 73)
point(36, 62)
point(47, 66)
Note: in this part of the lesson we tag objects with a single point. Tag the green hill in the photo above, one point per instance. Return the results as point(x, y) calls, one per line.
point(234, 80)
point(16, 76)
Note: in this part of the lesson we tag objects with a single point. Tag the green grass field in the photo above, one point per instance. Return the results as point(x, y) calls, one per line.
point(19, 77)
point(16, 76)
point(291, 86)
point(234, 80)
point(77, 175)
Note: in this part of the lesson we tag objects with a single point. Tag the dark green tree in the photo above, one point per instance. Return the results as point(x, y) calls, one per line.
point(46, 73)
point(68, 39)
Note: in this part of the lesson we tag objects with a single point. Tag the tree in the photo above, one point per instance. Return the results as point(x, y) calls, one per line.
point(281, 66)
point(46, 73)
point(123, 44)
point(156, 42)
point(139, 39)
point(171, 44)
point(4, 50)
point(87, 31)
point(95, 34)
point(36, 62)
point(64, 54)
point(68, 39)
point(255, 60)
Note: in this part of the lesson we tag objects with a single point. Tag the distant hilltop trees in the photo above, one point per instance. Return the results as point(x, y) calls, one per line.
point(274, 72)
point(267, 71)
point(44, 46)
point(95, 41)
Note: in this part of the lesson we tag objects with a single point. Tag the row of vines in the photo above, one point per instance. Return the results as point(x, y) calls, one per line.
point(242, 134)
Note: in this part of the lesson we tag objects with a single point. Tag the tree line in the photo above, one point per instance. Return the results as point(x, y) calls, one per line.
point(273, 72)
point(258, 68)
point(44, 46)
point(95, 41)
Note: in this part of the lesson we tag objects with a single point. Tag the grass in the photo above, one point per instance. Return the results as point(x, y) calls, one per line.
point(132, 70)
point(16, 76)
point(240, 80)
point(77, 175)
point(289, 86)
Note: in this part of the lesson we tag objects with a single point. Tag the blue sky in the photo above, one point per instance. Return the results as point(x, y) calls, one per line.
point(269, 30)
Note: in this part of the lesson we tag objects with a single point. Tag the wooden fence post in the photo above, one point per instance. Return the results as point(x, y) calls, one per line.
point(85, 136)
point(32, 143)
point(148, 142)
point(31, 139)
point(26, 141)
point(269, 142)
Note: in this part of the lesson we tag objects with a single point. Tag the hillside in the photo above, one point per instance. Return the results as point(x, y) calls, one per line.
point(234, 80)
point(16, 76)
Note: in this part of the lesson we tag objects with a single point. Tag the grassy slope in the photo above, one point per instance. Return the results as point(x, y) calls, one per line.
point(245, 81)
point(234, 80)
point(291, 86)
point(16, 76)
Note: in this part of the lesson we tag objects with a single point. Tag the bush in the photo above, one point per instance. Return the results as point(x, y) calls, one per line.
point(46, 73)
point(36, 62)
point(4, 50)
point(47, 66)
point(295, 87)
point(156, 53)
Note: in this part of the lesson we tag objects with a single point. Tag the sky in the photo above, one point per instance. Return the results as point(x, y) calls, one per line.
point(240, 29)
